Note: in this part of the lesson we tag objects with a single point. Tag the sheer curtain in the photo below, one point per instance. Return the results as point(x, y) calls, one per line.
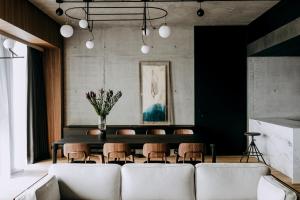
point(5, 112)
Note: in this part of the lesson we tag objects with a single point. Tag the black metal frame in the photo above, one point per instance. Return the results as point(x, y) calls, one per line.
point(89, 15)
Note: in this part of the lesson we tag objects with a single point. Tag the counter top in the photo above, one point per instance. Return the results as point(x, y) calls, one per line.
point(287, 122)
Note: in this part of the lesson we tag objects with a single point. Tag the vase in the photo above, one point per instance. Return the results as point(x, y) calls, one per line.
point(102, 126)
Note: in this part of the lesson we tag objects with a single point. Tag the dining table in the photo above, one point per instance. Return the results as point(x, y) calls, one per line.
point(134, 141)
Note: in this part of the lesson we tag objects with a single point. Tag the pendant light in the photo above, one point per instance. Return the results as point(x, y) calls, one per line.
point(66, 31)
point(164, 31)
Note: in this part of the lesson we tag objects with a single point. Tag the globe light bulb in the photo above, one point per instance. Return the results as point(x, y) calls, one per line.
point(164, 31)
point(90, 44)
point(146, 32)
point(83, 24)
point(145, 49)
point(9, 43)
point(66, 31)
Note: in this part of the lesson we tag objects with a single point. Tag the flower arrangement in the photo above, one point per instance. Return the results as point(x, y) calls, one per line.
point(104, 101)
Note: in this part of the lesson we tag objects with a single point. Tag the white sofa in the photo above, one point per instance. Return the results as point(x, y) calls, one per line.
point(206, 181)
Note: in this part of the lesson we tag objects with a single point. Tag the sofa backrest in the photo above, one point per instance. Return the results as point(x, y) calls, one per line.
point(228, 181)
point(90, 181)
point(158, 181)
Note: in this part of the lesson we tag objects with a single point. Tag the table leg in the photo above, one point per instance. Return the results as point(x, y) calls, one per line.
point(54, 153)
point(213, 152)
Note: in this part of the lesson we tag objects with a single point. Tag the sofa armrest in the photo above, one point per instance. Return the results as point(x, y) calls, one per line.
point(270, 188)
point(45, 189)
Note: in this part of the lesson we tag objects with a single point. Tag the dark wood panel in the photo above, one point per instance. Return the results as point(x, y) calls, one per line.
point(53, 84)
point(221, 86)
point(25, 16)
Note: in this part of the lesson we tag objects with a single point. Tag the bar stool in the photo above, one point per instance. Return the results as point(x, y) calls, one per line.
point(252, 149)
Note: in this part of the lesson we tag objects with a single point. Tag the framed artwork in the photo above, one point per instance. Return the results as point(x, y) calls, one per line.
point(154, 79)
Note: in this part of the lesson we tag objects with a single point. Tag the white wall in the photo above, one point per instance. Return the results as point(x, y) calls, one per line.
point(114, 64)
point(273, 87)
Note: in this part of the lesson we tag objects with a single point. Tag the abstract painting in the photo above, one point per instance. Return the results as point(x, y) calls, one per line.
point(154, 91)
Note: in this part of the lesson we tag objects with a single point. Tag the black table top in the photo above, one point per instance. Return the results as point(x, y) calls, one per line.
point(131, 139)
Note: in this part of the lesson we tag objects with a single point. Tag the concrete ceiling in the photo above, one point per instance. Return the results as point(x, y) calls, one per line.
point(180, 13)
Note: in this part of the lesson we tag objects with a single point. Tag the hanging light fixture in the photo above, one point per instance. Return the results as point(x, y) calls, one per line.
point(98, 16)
point(164, 31)
point(83, 24)
point(66, 31)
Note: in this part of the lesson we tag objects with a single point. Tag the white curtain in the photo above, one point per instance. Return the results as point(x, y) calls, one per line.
point(5, 112)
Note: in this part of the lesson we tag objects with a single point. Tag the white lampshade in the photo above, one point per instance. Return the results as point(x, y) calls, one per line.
point(83, 24)
point(66, 31)
point(90, 44)
point(9, 43)
point(147, 32)
point(164, 31)
point(145, 49)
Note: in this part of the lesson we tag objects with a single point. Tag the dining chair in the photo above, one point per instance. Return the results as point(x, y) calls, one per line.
point(93, 132)
point(125, 132)
point(76, 152)
point(156, 151)
point(95, 151)
point(115, 152)
point(191, 151)
point(183, 132)
point(156, 132)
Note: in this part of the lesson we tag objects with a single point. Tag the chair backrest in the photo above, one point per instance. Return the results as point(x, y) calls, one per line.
point(96, 181)
point(93, 132)
point(76, 150)
point(183, 132)
point(233, 181)
point(158, 181)
point(116, 150)
point(156, 132)
point(155, 150)
point(125, 132)
point(191, 150)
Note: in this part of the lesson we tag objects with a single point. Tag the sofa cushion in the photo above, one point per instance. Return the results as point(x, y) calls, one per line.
point(228, 181)
point(89, 181)
point(270, 188)
point(158, 182)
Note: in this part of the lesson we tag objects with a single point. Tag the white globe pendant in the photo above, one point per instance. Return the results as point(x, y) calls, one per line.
point(146, 32)
point(90, 44)
point(66, 31)
point(9, 43)
point(164, 31)
point(83, 24)
point(145, 49)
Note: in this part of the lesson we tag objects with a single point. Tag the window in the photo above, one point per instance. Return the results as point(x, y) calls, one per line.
point(13, 110)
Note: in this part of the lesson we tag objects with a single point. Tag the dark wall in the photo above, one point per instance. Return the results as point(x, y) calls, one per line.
point(221, 86)
point(282, 13)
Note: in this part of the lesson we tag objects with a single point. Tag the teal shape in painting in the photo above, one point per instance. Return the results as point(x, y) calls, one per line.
point(155, 113)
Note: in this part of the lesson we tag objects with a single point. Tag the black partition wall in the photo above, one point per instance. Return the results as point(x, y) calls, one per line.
point(221, 86)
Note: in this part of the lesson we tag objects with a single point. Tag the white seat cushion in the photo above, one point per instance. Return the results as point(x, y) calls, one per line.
point(158, 182)
point(270, 188)
point(88, 181)
point(228, 181)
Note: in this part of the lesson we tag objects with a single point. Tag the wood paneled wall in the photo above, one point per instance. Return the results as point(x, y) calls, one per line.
point(25, 22)
point(28, 18)
point(53, 82)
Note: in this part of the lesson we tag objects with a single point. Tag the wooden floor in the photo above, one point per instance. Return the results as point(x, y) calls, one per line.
point(220, 159)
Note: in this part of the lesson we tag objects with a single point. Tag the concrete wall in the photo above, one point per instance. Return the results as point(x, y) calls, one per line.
point(114, 64)
point(273, 87)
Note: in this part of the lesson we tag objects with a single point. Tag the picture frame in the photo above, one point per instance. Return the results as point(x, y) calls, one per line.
point(155, 92)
